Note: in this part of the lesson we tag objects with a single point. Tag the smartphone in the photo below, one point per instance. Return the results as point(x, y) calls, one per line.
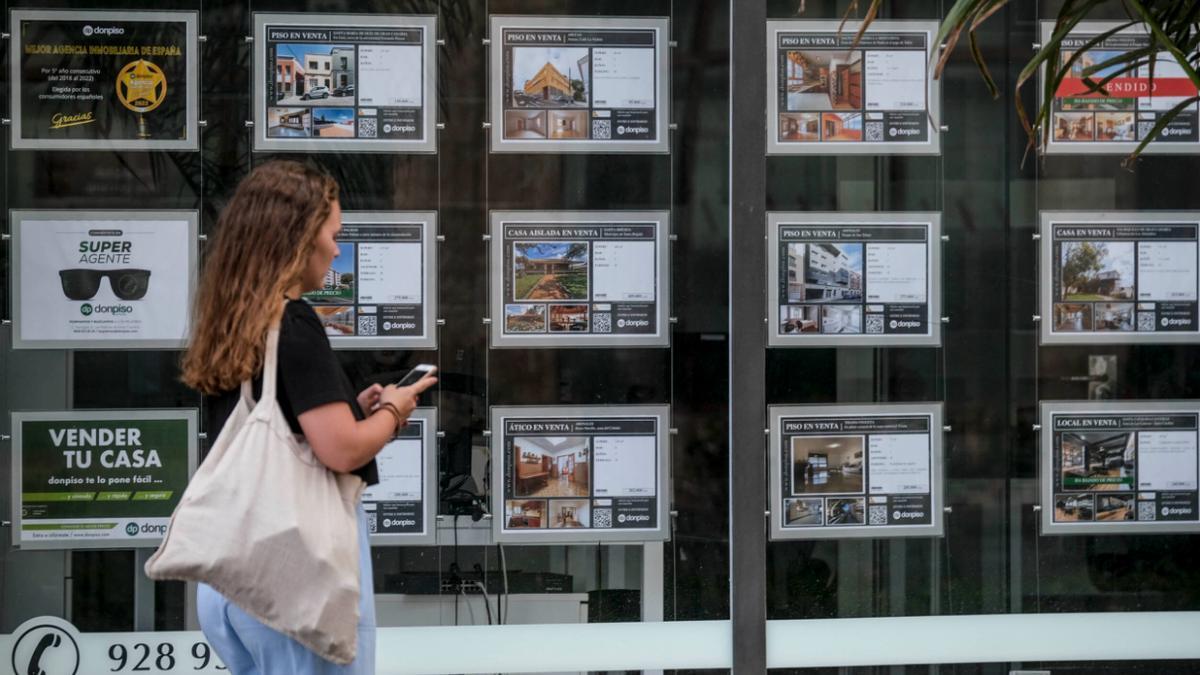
point(416, 374)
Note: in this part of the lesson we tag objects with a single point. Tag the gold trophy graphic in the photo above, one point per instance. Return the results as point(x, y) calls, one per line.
point(141, 87)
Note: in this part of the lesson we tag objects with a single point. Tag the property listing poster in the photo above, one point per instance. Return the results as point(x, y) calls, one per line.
point(1116, 119)
point(341, 82)
point(378, 291)
point(92, 80)
point(832, 96)
point(870, 473)
point(103, 279)
point(579, 279)
point(580, 475)
point(398, 507)
point(1116, 467)
point(1120, 277)
point(842, 279)
point(99, 478)
point(576, 84)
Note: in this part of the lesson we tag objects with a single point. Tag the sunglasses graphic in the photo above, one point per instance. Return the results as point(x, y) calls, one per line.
point(79, 284)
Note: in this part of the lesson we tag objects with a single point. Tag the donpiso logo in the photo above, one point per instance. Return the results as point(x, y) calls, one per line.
point(131, 529)
point(46, 645)
point(86, 309)
point(89, 30)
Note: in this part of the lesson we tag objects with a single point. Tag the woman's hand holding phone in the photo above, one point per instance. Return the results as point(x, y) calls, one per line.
point(405, 398)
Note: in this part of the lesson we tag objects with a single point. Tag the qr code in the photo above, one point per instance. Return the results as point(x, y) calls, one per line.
point(1145, 321)
point(372, 522)
point(873, 131)
point(368, 127)
point(1145, 510)
point(602, 518)
point(877, 515)
point(1144, 128)
point(602, 130)
point(368, 325)
point(874, 324)
point(602, 323)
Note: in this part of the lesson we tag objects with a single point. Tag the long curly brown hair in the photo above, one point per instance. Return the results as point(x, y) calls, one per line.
point(263, 241)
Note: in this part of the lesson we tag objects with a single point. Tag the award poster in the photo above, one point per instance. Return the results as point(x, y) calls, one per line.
point(856, 471)
point(380, 292)
point(402, 507)
point(345, 82)
point(1119, 467)
point(103, 80)
point(99, 478)
point(1115, 120)
point(580, 279)
point(102, 279)
point(579, 84)
point(1119, 278)
point(829, 96)
point(567, 474)
point(843, 279)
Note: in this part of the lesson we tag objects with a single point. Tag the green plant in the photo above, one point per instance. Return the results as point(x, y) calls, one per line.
point(1173, 27)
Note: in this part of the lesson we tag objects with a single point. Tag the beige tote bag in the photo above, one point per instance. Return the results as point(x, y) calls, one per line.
point(270, 528)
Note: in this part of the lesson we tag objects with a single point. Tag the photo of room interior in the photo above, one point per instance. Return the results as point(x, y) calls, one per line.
point(799, 512)
point(841, 319)
point(841, 126)
point(1097, 270)
point(1073, 508)
point(799, 319)
point(1072, 317)
point(827, 464)
point(525, 513)
point(1115, 126)
point(568, 123)
point(525, 124)
point(823, 80)
point(1098, 460)
point(569, 513)
point(525, 318)
point(289, 122)
point(800, 127)
point(568, 318)
point(1114, 316)
point(1074, 126)
point(1114, 507)
point(551, 466)
point(846, 511)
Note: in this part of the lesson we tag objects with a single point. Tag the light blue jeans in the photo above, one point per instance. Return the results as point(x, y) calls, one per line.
point(247, 647)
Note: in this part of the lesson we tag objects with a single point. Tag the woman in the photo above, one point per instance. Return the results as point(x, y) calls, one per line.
point(276, 240)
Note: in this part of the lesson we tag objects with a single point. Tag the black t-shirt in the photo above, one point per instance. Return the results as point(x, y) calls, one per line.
point(308, 376)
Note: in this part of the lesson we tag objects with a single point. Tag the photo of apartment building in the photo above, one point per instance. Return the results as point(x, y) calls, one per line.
point(551, 466)
point(289, 77)
point(550, 77)
point(342, 67)
point(824, 272)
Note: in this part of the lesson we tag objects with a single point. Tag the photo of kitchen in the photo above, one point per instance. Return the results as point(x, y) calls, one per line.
point(1098, 460)
point(800, 512)
point(1114, 507)
point(823, 80)
point(568, 318)
point(1074, 508)
point(525, 514)
point(569, 513)
point(827, 464)
point(551, 466)
point(846, 511)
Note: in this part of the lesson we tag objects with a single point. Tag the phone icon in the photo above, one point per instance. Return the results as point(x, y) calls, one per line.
point(35, 661)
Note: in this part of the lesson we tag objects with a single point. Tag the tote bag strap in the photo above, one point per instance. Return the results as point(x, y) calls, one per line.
point(270, 367)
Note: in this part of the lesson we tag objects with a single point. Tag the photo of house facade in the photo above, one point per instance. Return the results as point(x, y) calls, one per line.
point(289, 77)
point(314, 74)
point(824, 80)
point(551, 466)
point(827, 464)
point(1098, 461)
point(1097, 270)
point(525, 318)
point(831, 272)
point(550, 77)
point(550, 270)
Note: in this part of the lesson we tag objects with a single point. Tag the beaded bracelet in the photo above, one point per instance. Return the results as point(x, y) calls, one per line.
point(391, 407)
